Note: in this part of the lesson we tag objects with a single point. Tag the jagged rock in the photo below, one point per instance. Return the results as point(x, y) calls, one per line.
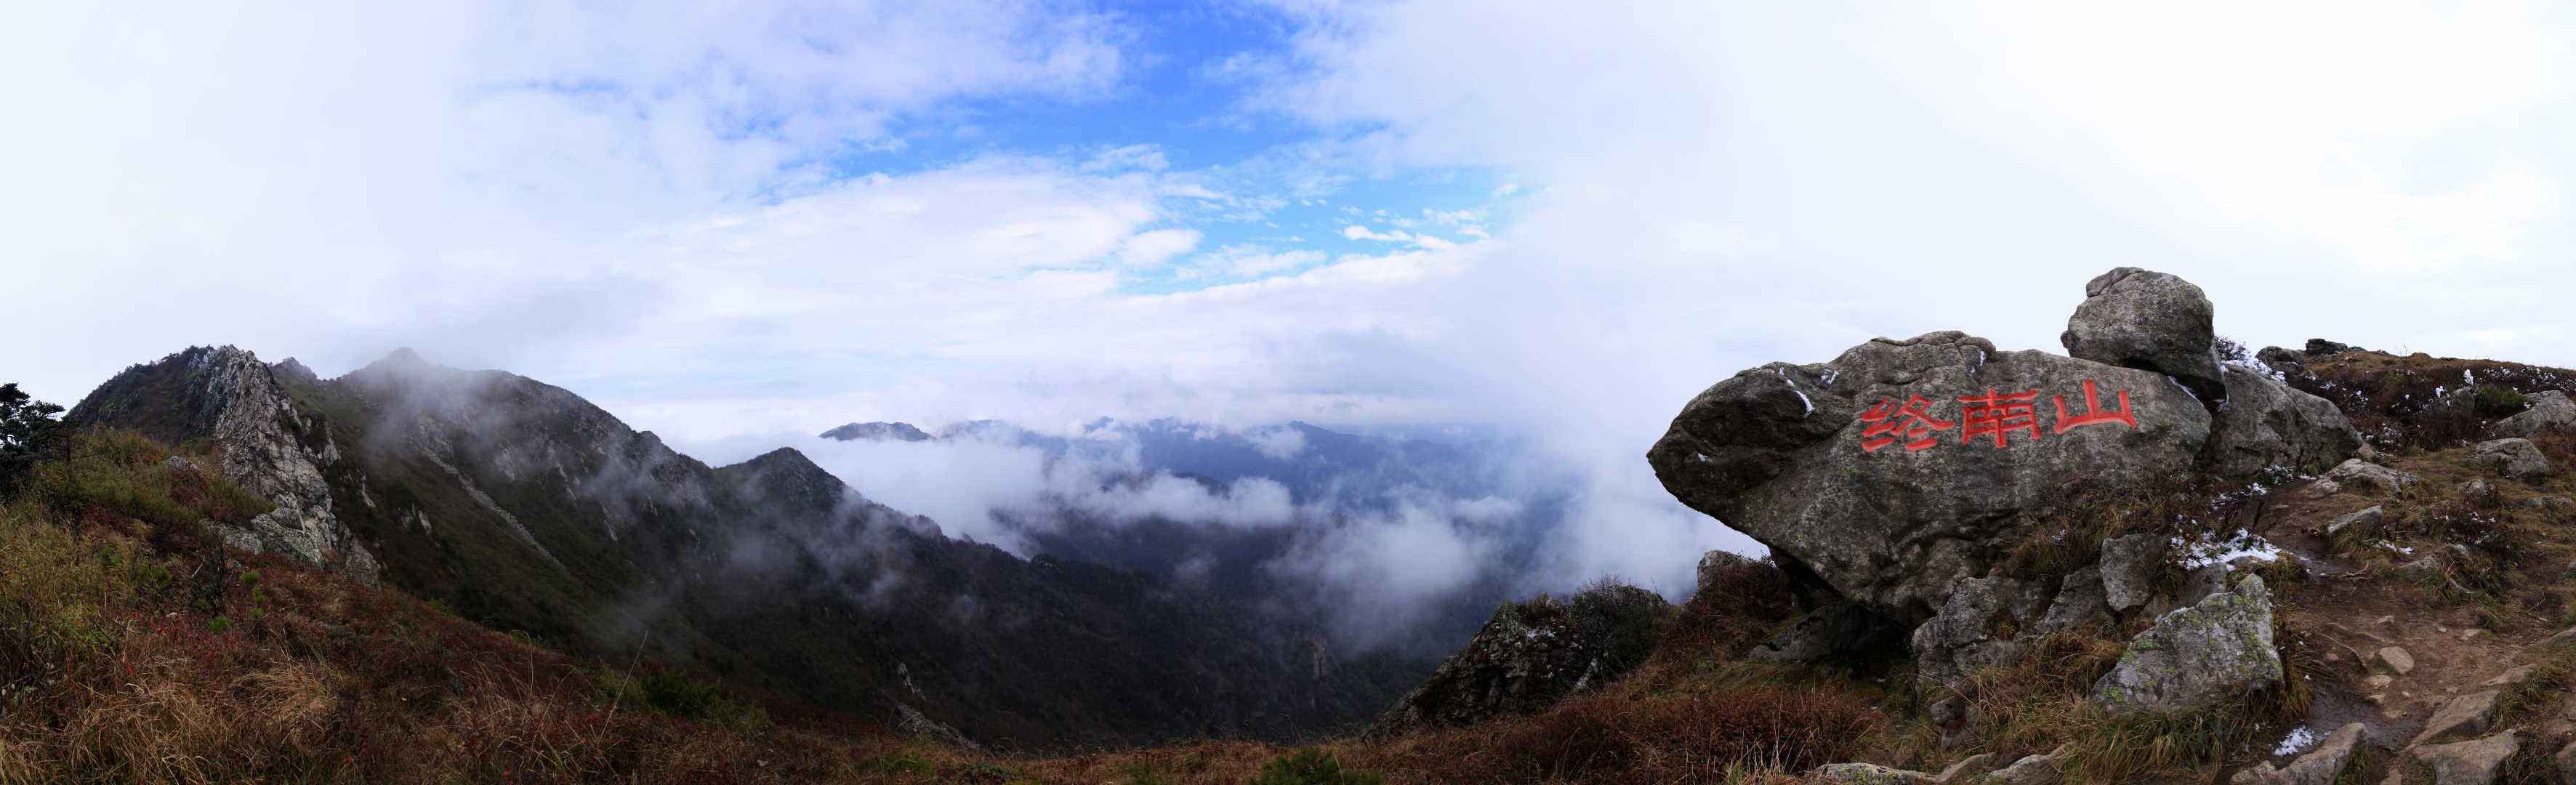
point(1532, 654)
point(1837, 627)
point(2358, 524)
point(2469, 762)
point(2030, 770)
point(265, 445)
point(2129, 567)
point(2512, 458)
point(1714, 565)
point(1977, 765)
point(2198, 584)
point(1961, 640)
point(2197, 657)
point(2320, 766)
point(2396, 660)
point(2282, 360)
point(2151, 321)
point(2550, 411)
point(1866, 774)
point(1815, 460)
point(2265, 423)
point(2079, 596)
point(2464, 715)
point(2320, 347)
point(2361, 476)
point(912, 721)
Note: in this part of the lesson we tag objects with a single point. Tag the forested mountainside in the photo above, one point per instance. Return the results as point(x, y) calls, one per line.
point(524, 507)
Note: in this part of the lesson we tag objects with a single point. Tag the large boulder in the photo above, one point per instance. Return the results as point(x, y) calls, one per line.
point(2550, 411)
point(2265, 423)
point(2511, 458)
point(1906, 466)
point(2199, 657)
point(2148, 320)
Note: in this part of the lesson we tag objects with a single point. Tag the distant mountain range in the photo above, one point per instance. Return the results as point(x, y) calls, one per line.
point(1336, 479)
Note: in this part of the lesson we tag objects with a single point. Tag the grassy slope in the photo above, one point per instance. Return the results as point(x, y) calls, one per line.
point(134, 649)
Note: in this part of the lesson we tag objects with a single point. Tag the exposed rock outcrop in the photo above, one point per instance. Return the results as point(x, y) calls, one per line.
point(2148, 320)
point(2357, 475)
point(2550, 411)
point(2197, 657)
point(1532, 654)
point(268, 447)
point(2470, 762)
point(2265, 424)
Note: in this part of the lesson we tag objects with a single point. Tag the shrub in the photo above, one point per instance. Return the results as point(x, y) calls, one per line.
point(2495, 400)
point(1311, 767)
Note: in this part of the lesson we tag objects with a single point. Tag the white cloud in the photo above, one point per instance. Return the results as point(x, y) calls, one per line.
point(1155, 247)
point(1358, 232)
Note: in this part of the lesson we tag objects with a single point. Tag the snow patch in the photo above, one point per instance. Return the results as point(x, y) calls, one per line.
point(2299, 740)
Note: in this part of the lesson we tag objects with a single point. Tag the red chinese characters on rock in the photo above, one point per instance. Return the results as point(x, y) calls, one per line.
point(1998, 415)
point(1999, 418)
point(1913, 423)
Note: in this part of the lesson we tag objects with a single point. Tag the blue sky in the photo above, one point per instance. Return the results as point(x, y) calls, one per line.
point(738, 226)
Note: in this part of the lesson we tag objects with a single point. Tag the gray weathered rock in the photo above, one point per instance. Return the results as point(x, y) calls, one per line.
point(2079, 596)
point(2129, 567)
point(1529, 656)
point(2030, 770)
point(1784, 453)
point(2265, 423)
point(2469, 762)
point(2357, 475)
point(1960, 640)
point(2564, 762)
point(2465, 715)
point(1866, 774)
point(1977, 765)
point(2197, 657)
point(2359, 524)
point(2319, 766)
point(2395, 659)
point(2151, 321)
point(2282, 360)
point(2550, 411)
point(2512, 458)
point(2320, 347)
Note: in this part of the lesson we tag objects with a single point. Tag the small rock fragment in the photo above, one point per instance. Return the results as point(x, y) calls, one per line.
point(2396, 660)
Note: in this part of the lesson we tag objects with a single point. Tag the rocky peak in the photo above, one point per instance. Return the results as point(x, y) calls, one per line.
point(267, 445)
